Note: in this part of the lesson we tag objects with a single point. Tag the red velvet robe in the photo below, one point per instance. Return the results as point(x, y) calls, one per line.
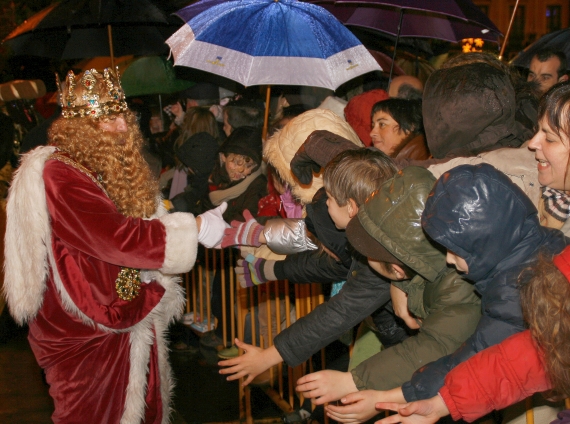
point(105, 358)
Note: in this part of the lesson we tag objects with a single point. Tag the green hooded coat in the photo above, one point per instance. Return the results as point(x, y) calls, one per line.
point(447, 304)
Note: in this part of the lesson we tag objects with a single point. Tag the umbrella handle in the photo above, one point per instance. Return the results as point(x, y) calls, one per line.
point(396, 47)
point(503, 47)
point(266, 116)
point(110, 36)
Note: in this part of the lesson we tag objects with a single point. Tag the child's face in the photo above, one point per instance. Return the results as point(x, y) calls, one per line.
point(457, 261)
point(237, 166)
point(339, 214)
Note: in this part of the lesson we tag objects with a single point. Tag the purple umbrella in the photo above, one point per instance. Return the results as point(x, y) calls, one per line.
point(415, 24)
point(450, 20)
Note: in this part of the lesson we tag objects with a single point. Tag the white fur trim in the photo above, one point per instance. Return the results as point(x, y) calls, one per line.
point(181, 242)
point(27, 237)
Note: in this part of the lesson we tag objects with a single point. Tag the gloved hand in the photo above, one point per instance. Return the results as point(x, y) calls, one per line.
point(320, 147)
point(243, 233)
point(253, 271)
point(212, 227)
point(303, 166)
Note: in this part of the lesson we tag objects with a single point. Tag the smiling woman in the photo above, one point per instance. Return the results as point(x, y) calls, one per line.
point(551, 145)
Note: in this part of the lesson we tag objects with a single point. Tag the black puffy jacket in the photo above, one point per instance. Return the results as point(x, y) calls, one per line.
point(479, 214)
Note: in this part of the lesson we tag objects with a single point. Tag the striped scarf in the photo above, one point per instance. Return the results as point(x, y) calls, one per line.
point(556, 203)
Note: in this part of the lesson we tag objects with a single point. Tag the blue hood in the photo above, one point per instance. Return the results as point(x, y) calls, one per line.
point(478, 213)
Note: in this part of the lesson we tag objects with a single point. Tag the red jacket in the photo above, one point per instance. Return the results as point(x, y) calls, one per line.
point(495, 378)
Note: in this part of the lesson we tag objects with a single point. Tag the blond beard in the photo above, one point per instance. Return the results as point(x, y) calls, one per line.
point(115, 157)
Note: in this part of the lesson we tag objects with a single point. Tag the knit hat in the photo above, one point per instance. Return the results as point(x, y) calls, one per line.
point(358, 110)
point(202, 91)
point(198, 153)
point(244, 141)
point(367, 245)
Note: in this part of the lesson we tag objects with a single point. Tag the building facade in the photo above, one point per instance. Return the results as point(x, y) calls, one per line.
point(534, 18)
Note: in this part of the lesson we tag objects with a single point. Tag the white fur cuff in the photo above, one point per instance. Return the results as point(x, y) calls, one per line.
point(181, 242)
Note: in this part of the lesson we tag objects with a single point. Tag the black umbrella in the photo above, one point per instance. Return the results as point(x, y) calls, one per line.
point(75, 29)
point(557, 41)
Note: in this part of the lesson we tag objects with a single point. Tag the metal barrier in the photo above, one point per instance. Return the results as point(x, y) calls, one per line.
point(272, 301)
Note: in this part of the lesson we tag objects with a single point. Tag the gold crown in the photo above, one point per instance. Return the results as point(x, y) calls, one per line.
point(91, 94)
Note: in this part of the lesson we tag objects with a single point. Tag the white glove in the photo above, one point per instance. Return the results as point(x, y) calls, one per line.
point(212, 227)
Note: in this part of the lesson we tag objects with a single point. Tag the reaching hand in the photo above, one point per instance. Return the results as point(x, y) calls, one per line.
point(253, 271)
point(356, 407)
point(303, 166)
point(212, 226)
point(320, 147)
point(243, 233)
point(420, 412)
point(253, 362)
point(326, 386)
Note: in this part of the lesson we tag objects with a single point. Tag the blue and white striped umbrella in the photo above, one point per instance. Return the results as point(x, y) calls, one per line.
point(269, 42)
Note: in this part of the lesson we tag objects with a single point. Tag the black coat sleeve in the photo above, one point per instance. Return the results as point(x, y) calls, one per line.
point(363, 292)
point(310, 266)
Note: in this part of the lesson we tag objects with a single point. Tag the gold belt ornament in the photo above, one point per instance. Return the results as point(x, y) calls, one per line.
point(128, 283)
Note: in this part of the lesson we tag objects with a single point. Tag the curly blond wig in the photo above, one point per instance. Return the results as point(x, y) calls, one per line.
point(116, 157)
point(545, 302)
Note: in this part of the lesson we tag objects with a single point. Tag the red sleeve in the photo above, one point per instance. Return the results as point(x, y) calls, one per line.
point(495, 378)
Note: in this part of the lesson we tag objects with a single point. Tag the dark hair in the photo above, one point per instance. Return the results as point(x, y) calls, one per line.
point(555, 107)
point(407, 113)
point(244, 113)
point(409, 92)
point(355, 174)
point(545, 54)
point(196, 120)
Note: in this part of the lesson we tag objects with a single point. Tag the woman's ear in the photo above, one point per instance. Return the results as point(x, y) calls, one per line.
point(352, 208)
point(222, 158)
point(399, 271)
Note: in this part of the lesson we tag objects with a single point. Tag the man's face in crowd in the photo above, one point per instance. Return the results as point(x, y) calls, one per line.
point(545, 73)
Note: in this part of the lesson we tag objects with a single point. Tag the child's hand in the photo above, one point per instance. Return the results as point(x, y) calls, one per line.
point(400, 305)
point(176, 109)
point(246, 233)
point(326, 386)
point(420, 412)
point(253, 362)
point(356, 407)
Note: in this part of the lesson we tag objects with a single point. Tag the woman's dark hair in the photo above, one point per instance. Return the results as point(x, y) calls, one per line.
point(407, 113)
point(555, 107)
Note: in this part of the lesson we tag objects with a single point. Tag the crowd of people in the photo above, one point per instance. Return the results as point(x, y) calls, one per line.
point(435, 215)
